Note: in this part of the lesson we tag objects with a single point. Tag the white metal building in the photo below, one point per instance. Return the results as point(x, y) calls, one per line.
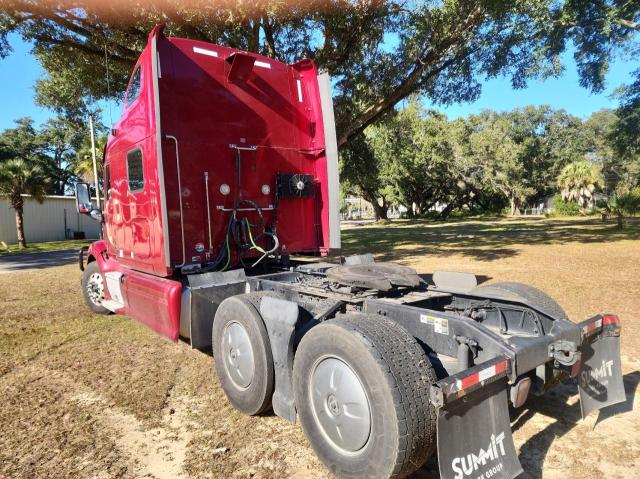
point(54, 220)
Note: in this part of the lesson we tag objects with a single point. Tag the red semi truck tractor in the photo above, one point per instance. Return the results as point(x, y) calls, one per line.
point(221, 173)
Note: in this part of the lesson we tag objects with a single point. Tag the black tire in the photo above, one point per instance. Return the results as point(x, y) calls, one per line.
point(90, 290)
point(396, 376)
point(254, 397)
point(533, 296)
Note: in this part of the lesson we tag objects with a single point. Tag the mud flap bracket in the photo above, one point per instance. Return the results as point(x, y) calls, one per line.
point(280, 318)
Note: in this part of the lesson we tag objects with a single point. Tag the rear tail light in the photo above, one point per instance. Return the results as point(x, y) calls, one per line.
point(610, 319)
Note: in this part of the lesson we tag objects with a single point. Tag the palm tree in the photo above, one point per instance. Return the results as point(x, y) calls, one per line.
point(578, 181)
point(18, 177)
point(84, 161)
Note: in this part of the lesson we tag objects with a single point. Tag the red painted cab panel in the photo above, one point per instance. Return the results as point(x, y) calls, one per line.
point(133, 207)
point(202, 127)
point(154, 302)
point(274, 110)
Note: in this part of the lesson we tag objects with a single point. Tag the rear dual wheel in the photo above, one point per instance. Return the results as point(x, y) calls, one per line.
point(362, 395)
point(361, 386)
point(242, 355)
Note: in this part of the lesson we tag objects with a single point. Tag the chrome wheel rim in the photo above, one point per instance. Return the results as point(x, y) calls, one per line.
point(340, 405)
point(95, 288)
point(238, 355)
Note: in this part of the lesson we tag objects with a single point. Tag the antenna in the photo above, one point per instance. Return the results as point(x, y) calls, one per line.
point(106, 65)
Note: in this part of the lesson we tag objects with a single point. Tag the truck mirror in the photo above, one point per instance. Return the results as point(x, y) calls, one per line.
point(83, 198)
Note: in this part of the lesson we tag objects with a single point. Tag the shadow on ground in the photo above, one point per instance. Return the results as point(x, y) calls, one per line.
point(29, 261)
point(482, 239)
point(555, 405)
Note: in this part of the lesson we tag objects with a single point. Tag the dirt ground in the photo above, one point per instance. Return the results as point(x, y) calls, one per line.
point(91, 396)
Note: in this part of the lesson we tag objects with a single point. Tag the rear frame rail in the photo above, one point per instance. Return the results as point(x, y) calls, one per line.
point(460, 385)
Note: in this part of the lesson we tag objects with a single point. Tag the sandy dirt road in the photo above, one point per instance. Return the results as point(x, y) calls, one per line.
point(102, 397)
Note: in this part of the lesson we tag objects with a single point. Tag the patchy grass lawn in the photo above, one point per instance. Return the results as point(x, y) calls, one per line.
point(103, 397)
point(42, 247)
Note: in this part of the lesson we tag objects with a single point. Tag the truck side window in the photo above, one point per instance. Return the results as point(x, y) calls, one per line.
point(134, 87)
point(135, 173)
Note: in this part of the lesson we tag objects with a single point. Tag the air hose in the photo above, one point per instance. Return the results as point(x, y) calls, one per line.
point(228, 250)
point(233, 230)
point(276, 244)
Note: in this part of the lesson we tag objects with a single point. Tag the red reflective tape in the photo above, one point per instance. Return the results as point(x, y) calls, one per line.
point(501, 367)
point(592, 326)
point(480, 376)
point(610, 319)
point(469, 381)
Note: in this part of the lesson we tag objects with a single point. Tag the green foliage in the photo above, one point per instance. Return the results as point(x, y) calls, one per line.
point(549, 140)
point(61, 148)
point(21, 142)
point(621, 204)
point(40, 162)
point(499, 158)
point(625, 135)
point(578, 181)
point(630, 201)
point(518, 154)
point(18, 177)
point(600, 130)
point(361, 173)
point(562, 207)
point(414, 148)
point(45, 247)
point(598, 30)
point(21, 177)
point(378, 52)
point(82, 162)
point(478, 164)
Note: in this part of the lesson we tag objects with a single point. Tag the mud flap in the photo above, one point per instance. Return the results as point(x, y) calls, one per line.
point(600, 377)
point(474, 436)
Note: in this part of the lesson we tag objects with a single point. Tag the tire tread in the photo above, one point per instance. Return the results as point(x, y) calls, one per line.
point(409, 376)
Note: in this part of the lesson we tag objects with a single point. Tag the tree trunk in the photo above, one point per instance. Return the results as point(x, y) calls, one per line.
point(22, 242)
point(254, 36)
point(430, 205)
point(381, 212)
point(444, 214)
point(269, 41)
point(515, 207)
